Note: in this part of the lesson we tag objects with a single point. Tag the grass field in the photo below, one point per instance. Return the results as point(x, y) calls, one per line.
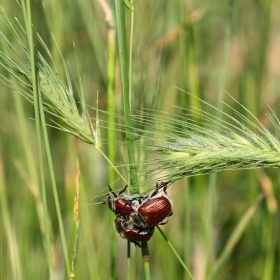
point(225, 224)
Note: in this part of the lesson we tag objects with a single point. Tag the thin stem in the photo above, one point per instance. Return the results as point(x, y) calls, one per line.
point(27, 15)
point(130, 54)
point(128, 261)
point(146, 260)
point(54, 187)
point(8, 228)
point(126, 93)
point(120, 16)
point(235, 236)
point(111, 128)
point(111, 67)
point(113, 166)
point(175, 252)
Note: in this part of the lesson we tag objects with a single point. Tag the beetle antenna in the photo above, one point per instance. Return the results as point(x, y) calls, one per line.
point(111, 191)
point(123, 190)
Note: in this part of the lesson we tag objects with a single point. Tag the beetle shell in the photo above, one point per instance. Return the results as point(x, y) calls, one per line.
point(153, 212)
point(124, 207)
point(130, 232)
point(123, 204)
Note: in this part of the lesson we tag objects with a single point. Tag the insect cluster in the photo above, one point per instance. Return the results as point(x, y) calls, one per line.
point(137, 215)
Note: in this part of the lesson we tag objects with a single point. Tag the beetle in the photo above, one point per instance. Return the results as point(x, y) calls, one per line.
point(123, 204)
point(154, 210)
point(143, 211)
point(128, 231)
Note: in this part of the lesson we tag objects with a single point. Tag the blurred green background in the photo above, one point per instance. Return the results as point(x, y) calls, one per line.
point(176, 43)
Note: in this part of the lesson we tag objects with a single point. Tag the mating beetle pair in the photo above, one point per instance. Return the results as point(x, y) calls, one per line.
point(137, 215)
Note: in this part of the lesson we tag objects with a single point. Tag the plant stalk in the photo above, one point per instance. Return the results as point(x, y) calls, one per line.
point(27, 16)
point(120, 16)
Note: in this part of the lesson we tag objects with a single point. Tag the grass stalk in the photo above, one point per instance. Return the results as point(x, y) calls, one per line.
point(120, 16)
point(130, 52)
point(27, 15)
point(235, 236)
point(54, 187)
point(270, 234)
point(30, 162)
point(92, 258)
point(111, 132)
point(126, 94)
point(146, 260)
point(128, 261)
point(196, 142)
point(175, 253)
point(9, 229)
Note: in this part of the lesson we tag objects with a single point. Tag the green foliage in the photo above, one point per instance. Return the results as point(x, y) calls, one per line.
point(174, 43)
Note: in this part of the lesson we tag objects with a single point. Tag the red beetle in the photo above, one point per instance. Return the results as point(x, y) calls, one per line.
point(130, 232)
point(154, 210)
point(123, 204)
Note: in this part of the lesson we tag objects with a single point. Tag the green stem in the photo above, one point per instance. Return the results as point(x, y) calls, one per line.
point(27, 15)
point(120, 16)
point(112, 165)
point(130, 54)
point(8, 229)
point(235, 237)
point(146, 260)
point(128, 261)
point(54, 187)
point(175, 252)
point(111, 65)
point(126, 93)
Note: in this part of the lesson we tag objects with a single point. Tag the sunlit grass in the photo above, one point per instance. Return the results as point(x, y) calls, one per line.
point(171, 141)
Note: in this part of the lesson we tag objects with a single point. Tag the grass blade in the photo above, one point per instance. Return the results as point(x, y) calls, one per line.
point(235, 236)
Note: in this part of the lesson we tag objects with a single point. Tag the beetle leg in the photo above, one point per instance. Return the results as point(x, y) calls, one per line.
point(158, 187)
point(163, 185)
point(136, 243)
point(141, 197)
point(154, 192)
point(166, 219)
